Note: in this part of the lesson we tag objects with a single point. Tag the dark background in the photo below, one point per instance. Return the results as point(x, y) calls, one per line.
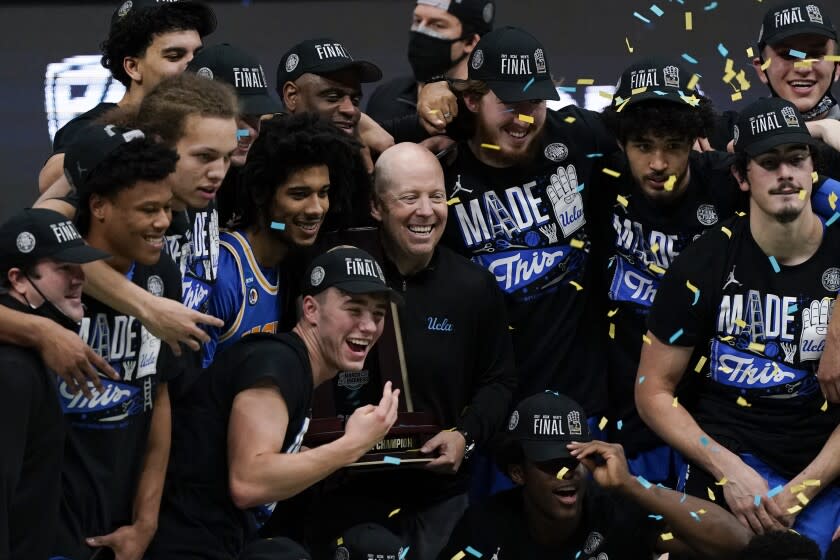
point(583, 39)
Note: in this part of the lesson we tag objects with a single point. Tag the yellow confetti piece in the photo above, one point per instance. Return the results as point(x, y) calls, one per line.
point(638, 90)
point(743, 402)
point(621, 200)
point(452, 201)
point(526, 118)
point(689, 25)
point(675, 402)
point(340, 541)
point(612, 335)
point(612, 312)
point(811, 482)
point(710, 494)
point(815, 176)
point(727, 338)
point(726, 231)
point(756, 347)
point(656, 268)
point(743, 82)
point(621, 107)
point(832, 58)
point(692, 83)
point(459, 555)
point(824, 407)
point(741, 323)
point(569, 120)
point(701, 511)
point(627, 42)
point(669, 184)
point(700, 363)
point(655, 247)
point(691, 286)
point(585, 81)
point(803, 63)
point(766, 64)
point(393, 513)
point(666, 536)
point(722, 481)
point(603, 423)
point(742, 214)
point(562, 473)
point(577, 286)
point(736, 96)
point(803, 499)
point(794, 509)
point(646, 339)
point(797, 489)
point(832, 200)
point(491, 146)
point(801, 195)
point(750, 52)
point(577, 243)
point(605, 94)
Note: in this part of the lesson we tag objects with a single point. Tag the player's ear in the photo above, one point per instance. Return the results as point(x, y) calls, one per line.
point(132, 68)
point(97, 207)
point(742, 181)
point(517, 474)
point(291, 96)
point(472, 102)
point(376, 207)
point(309, 309)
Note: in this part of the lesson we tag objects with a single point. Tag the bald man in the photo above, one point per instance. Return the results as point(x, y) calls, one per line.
point(458, 353)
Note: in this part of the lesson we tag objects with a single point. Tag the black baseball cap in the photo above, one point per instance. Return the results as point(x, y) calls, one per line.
point(322, 56)
point(513, 64)
point(545, 423)
point(477, 14)
point(233, 66)
point(349, 269)
point(37, 233)
point(279, 548)
point(767, 123)
point(654, 78)
point(91, 148)
point(368, 540)
point(205, 15)
point(794, 18)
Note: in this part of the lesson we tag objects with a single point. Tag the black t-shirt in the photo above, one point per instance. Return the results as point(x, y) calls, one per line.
point(228, 198)
point(610, 527)
point(198, 517)
point(534, 237)
point(393, 99)
point(192, 241)
point(643, 239)
point(68, 133)
point(761, 333)
point(32, 443)
point(108, 435)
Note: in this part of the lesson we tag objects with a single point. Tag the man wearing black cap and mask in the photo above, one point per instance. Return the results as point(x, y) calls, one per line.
point(753, 424)
point(118, 441)
point(236, 448)
point(558, 512)
point(40, 273)
point(443, 34)
point(148, 40)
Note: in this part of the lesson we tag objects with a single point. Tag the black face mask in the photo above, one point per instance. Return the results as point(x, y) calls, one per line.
point(48, 310)
point(430, 56)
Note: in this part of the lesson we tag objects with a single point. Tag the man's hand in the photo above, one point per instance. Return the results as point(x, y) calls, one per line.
point(828, 373)
point(786, 500)
point(836, 535)
point(827, 130)
point(450, 446)
point(128, 543)
point(702, 145)
point(65, 353)
point(173, 322)
point(437, 144)
point(436, 107)
point(742, 486)
point(373, 136)
point(606, 462)
point(369, 424)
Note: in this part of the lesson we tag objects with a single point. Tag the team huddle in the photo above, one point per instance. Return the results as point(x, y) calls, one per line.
point(457, 325)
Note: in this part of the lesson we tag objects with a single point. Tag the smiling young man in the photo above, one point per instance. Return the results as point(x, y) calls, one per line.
point(40, 273)
point(237, 440)
point(286, 196)
point(147, 42)
point(118, 441)
point(754, 418)
point(575, 498)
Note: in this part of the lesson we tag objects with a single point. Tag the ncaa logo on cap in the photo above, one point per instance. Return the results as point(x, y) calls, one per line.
point(292, 62)
point(125, 8)
point(205, 72)
point(341, 553)
point(514, 421)
point(25, 242)
point(736, 133)
point(477, 59)
point(317, 276)
point(487, 12)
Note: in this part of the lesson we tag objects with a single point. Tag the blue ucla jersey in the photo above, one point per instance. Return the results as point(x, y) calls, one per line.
point(245, 296)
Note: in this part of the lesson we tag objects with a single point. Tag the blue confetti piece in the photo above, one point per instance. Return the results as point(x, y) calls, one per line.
point(279, 226)
point(577, 555)
point(797, 54)
point(507, 110)
point(722, 50)
point(683, 498)
point(391, 460)
point(757, 501)
point(643, 481)
point(704, 441)
point(775, 491)
point(792, 309)
point(695, 516)
point(619, 424)
point(710, 7)
point(696, 297)
point(531, 81)
point(656, 10)
point(832, 219)
point(775, 264)
point(657, 517)
point(675, 336)
point(660, 485)
point(242, 133)
point(568, 89)
point(404, 553)
point(594, 155)
point(473, 551)
point(579, 188)
point(657, 92)
point(688, 58)
point(641, 379)
point(641, 17)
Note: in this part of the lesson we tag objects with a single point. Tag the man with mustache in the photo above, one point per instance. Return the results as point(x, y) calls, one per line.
point(741, 319)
